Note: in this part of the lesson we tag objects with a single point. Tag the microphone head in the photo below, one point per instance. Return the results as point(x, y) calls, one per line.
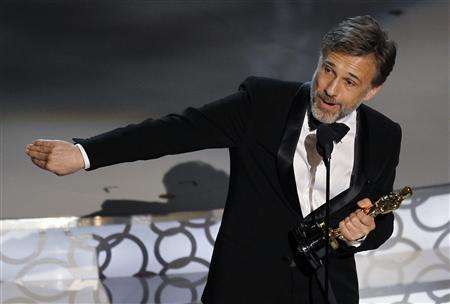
point(326, 135)
point(324, 144)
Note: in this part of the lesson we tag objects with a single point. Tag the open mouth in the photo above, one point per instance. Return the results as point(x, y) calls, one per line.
point(328, 105)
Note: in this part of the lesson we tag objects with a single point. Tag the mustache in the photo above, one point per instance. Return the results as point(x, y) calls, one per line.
point(327, 99)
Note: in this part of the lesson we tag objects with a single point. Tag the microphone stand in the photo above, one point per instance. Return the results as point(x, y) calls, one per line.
point(326, 161)
point(326, 135)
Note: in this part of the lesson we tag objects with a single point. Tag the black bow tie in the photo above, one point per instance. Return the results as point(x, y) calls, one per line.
point(339, 130)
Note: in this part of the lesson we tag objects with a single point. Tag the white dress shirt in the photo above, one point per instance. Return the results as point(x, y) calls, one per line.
point(309, 169)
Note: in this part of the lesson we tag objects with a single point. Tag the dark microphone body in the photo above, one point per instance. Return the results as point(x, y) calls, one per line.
point(326, 135)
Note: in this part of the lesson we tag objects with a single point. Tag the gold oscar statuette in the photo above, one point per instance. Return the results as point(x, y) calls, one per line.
point(385, 204)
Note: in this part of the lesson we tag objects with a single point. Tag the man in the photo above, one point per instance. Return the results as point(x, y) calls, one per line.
point(276, 178)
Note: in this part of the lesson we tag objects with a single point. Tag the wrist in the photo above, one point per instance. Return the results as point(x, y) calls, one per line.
point(357, 242)
point(80, 158)
point(84, 158)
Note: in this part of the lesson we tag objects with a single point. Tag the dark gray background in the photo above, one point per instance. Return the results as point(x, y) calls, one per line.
point(79, 68)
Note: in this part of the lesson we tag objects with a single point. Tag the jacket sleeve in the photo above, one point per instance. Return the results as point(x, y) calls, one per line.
point(384, 224)
point(219, 124)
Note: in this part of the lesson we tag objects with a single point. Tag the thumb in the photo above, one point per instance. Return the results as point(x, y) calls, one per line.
point(365, 203)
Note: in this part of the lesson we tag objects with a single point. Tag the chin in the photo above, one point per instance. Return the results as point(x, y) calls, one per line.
point(322, 116)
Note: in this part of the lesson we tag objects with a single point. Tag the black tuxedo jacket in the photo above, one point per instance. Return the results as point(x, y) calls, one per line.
point(260, 124)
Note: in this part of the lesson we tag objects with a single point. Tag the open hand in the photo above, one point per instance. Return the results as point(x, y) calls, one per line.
point(357, 224)
point(57, 156)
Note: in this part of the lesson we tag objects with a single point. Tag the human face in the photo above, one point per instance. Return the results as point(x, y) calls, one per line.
point(340, 83)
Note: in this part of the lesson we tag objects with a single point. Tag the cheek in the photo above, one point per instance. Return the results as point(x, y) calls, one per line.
point(320, 83)
point(349, 103)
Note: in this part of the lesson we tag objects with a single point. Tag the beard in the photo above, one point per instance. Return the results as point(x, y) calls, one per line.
point(326, 116)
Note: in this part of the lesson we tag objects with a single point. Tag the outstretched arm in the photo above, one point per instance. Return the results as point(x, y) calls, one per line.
point(218, 124)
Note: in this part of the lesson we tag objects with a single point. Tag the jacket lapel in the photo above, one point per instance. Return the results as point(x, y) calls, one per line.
point(286, 150)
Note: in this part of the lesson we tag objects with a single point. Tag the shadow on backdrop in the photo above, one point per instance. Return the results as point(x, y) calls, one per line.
point(190, 186)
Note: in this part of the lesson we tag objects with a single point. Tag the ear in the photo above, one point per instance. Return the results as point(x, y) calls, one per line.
point(372, 92)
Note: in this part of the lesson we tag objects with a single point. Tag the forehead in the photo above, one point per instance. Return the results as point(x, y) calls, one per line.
point(363, 67)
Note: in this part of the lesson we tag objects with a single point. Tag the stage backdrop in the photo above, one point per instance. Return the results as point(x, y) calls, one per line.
point(76, 69)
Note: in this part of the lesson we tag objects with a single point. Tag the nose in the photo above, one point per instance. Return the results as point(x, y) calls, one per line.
point(332, 88)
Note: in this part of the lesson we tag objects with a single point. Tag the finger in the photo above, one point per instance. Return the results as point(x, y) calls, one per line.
point(44, 142)
point(357, 226)
point(350, 227)
point(40, 163)
point(345, 232)
point(354, 227)
point(354, 220)
point(38, 155)
point(365, 203)
point(343, 228)
point(365, 219)
point(43, 149)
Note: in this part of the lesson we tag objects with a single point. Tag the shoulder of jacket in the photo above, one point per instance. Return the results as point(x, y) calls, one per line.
point(380, 122)
point(257, 86)
point(269, 103)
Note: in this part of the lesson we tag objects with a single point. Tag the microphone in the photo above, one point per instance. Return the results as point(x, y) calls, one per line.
point(326, 135)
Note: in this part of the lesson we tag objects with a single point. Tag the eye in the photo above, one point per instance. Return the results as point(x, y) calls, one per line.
point(349, 83)
point(327, 69)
